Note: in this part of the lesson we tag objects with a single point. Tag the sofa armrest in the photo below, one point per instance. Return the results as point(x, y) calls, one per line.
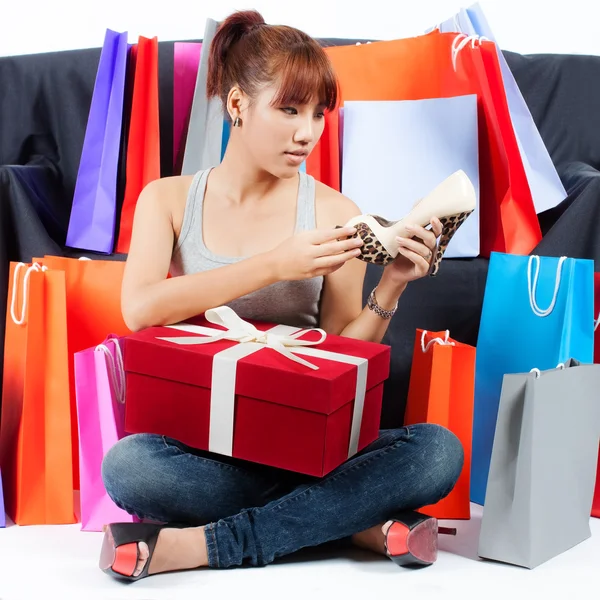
point(573, 227)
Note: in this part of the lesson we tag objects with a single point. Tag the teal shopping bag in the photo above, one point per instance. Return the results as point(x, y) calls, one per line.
point(537, 312)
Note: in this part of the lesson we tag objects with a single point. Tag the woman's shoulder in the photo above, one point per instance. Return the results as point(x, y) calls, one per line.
point(166, 186)
point(167, 196)
point(333, 208)
point(169, 192)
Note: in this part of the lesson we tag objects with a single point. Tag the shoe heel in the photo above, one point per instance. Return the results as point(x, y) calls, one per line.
point(125, 560)
point(121, 560)
point(120, 548)
point(412, 540)
point(450, 225)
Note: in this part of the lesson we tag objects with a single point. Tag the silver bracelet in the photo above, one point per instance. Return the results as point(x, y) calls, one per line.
point(372, 304)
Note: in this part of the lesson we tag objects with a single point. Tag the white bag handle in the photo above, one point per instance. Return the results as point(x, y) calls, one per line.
point(537, 372)
point(13, 302)
point(533, 281)
point(461, 41)
point(435, 340)
point(597, 322)
point(116, 371)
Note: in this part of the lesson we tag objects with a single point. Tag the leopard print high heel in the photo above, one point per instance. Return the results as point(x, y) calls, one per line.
point(452, 201)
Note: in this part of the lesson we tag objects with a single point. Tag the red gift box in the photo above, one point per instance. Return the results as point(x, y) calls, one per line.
point(247, 397)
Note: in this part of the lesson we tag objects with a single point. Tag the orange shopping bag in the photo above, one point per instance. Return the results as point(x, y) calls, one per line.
point(35, 431)
point(441, 65)
point(441, 391)
point(143, 146)
point(93, 295)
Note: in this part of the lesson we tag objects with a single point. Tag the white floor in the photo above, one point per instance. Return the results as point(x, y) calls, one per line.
point(61, 562)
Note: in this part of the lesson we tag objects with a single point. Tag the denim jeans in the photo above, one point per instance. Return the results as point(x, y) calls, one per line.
point(254, 514)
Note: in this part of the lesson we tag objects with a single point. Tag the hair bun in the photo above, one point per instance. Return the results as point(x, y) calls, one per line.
point(228, 34)
point(243, 22)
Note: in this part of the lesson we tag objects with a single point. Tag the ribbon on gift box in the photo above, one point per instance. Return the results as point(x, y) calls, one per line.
point(281, 338)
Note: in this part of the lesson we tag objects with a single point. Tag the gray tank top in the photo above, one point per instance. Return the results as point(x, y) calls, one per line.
point(293, 303)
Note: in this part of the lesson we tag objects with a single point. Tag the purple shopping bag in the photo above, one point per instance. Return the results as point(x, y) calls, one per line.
point(100, 396)
point(185, 64)
point(2, 513)
point(93, 212)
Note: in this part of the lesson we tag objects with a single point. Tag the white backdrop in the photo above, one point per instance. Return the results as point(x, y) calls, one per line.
point(525, 26)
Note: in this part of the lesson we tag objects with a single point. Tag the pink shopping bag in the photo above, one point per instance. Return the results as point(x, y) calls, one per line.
point(186, 62)
point(100, 396)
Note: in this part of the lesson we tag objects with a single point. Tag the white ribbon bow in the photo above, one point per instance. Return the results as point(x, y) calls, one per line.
point(241, 331)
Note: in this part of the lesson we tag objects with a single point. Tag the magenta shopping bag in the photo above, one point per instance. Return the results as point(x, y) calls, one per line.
point(93, 212)
point(185, 70)
point(100, 395)
point(2, 513)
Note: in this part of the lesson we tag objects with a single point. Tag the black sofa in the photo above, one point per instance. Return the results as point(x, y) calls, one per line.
point(44, 103)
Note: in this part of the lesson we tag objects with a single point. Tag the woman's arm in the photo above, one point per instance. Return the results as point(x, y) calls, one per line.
point(148, 298)
point(342, 310)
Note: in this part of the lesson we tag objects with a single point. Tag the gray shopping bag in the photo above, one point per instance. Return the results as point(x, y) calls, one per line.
point(205, 130)
point(543, 467)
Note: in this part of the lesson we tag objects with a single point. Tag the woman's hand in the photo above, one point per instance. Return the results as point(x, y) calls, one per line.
point(314, 253)
point(415, 255)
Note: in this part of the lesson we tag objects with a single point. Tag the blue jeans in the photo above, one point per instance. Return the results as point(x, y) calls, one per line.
point(254, 514)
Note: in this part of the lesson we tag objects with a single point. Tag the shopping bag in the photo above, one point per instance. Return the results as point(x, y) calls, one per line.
point(93, 212)
point(2, 513)
point(546, 187)
point(439, 65)
point(100, 384)
point(541, 482)
point(537, 312)
point(35, 429)
point(205, 132)
point(143, 145)
point(185, 70)
point(408, 148)
point(441, 389)
point(597, 318)
point(596, 503)
point(93, 292)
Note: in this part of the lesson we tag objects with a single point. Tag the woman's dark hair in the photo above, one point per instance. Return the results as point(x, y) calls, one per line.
point(251, 54)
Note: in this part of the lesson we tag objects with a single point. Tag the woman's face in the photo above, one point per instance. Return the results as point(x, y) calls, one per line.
point(279, 138)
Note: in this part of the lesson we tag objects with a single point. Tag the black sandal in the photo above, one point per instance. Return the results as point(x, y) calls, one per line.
point(121, 552)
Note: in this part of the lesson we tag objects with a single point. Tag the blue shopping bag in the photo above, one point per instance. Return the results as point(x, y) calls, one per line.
point(546, 187)
point(537, 312)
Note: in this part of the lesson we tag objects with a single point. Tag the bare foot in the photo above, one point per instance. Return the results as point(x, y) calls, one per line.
point(372, 539)
point(176, 549)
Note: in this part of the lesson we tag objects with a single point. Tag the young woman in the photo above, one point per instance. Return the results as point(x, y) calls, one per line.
point(257, 234)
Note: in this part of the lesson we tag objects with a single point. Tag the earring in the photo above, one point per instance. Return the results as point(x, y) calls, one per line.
point(237, 122)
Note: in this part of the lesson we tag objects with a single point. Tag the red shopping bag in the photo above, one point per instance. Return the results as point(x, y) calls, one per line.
point(441, 65)
point(441, 391)
point(143, 146)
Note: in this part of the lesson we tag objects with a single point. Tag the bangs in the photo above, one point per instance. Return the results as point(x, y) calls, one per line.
point(306, 73)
